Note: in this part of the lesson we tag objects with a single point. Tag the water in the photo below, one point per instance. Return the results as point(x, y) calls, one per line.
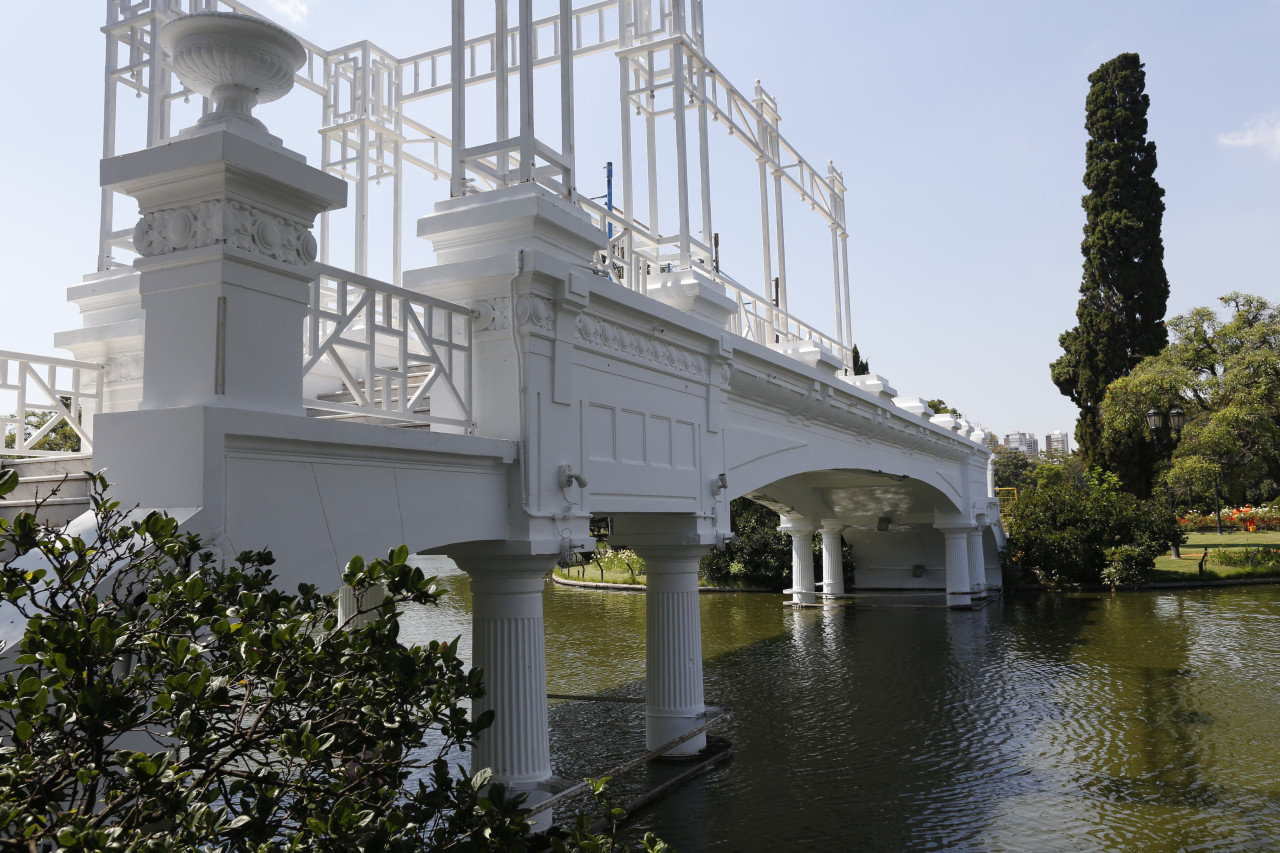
point(1143, 721)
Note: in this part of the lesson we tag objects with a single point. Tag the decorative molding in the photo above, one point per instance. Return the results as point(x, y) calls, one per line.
point(122, 368)
point(223, 221)
point(599, 334)
point(494, 314)
point(536, 311)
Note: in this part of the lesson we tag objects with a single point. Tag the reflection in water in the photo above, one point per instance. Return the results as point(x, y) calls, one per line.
point(1089, 722)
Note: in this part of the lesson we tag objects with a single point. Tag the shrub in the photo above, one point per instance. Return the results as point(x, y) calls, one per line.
point(1260, 558)
point(1066, 532)
point(162, 701)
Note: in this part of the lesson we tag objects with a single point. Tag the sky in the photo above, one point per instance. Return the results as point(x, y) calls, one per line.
point(959, 128)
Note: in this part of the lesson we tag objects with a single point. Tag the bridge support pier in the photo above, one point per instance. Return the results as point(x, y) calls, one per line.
point(959, 594)
point(508, 643)
point(977, 563)
point(671, 547)
point(832, 557)
point(801, 534)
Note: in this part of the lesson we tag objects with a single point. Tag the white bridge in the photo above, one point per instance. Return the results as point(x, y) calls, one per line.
point(563, 358)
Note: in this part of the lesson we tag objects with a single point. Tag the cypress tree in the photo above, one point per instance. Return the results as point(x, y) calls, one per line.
point(1124, 288)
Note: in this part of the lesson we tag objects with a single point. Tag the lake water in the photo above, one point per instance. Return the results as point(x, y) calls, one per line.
point(1133, 722)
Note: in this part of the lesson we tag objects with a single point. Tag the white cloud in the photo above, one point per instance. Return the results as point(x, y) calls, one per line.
point(294, 10)
point(1261, 132)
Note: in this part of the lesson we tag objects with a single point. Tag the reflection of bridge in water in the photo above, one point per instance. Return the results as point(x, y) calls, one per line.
point(562, 359)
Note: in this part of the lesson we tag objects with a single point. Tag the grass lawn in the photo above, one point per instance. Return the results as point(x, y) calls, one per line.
point(1169, 569)
point(592, 574)
point(612, 574)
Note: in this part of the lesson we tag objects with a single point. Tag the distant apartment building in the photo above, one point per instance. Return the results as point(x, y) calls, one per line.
point(1023, 442)
point(1056, 443)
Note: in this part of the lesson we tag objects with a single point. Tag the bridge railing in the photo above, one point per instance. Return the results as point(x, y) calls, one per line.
point(383, 353)
point(632, 256)
point(42, 397)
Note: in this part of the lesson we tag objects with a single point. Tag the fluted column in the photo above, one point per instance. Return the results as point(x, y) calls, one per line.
point(801, 534)
point(509, 646)
point(832, 557)
point(958, 590)
point(977, 563)
point(673, 629)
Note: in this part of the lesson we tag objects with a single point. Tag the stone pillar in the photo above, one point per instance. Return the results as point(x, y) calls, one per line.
point(977, 563)
point(832, 557)
point(958, 585)
point(673, 630)
point(224, 276)
point(671, 546)
point(802, 591)
point(509, 646)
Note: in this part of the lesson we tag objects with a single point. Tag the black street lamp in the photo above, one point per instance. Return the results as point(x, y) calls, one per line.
point(1167, 441)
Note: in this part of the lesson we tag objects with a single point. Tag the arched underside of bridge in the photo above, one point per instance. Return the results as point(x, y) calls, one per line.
point(887, 520)
point(890, 504)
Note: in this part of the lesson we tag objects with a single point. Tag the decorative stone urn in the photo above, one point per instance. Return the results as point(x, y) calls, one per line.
point(236, 61)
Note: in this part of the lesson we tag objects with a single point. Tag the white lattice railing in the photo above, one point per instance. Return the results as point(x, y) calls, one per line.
point(59, 389)
point(379, 351)
point(632, 256)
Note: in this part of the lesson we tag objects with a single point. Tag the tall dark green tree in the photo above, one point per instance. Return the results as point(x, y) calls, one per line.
point(861, 367)
point(1124, 288)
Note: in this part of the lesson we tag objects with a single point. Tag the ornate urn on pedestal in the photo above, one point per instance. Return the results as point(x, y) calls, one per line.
point(236, 61)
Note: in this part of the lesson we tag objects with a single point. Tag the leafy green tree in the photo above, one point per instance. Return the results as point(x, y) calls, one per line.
point(1124, 289)
point(62, 437)
point(1225, 375)
point(159, 701)
point(1012, 468)
point(761, 553)
point(940, 407)
point(1068, 531)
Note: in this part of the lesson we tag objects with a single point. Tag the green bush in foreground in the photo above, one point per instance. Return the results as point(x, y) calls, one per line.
point(159, 701)
point(1072, 531)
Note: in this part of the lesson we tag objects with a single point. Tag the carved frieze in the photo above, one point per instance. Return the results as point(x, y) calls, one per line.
point(122, 368)
point(223, 221)
point(598, 334)
point(492, 314)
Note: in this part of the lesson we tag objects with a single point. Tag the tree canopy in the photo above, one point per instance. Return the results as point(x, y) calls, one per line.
point(1124, 289)
point(1224, 372)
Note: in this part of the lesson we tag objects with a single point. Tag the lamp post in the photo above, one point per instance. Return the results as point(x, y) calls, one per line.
point(1167, 441)
point(1233, 462)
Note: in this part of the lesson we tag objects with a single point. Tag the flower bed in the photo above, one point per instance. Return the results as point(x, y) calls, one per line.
point(1245, 519)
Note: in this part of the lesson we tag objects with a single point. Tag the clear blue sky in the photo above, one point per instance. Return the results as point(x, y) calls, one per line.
point(958, 125)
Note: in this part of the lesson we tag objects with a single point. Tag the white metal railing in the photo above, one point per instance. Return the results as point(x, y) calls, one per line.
point(57, 391)
point(632, 256)
point(379, 351)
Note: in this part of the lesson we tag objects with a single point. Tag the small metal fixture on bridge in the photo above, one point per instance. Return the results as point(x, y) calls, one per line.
point(568, 478)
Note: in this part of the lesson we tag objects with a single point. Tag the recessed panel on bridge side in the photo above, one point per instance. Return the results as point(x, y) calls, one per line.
point(640, 459)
